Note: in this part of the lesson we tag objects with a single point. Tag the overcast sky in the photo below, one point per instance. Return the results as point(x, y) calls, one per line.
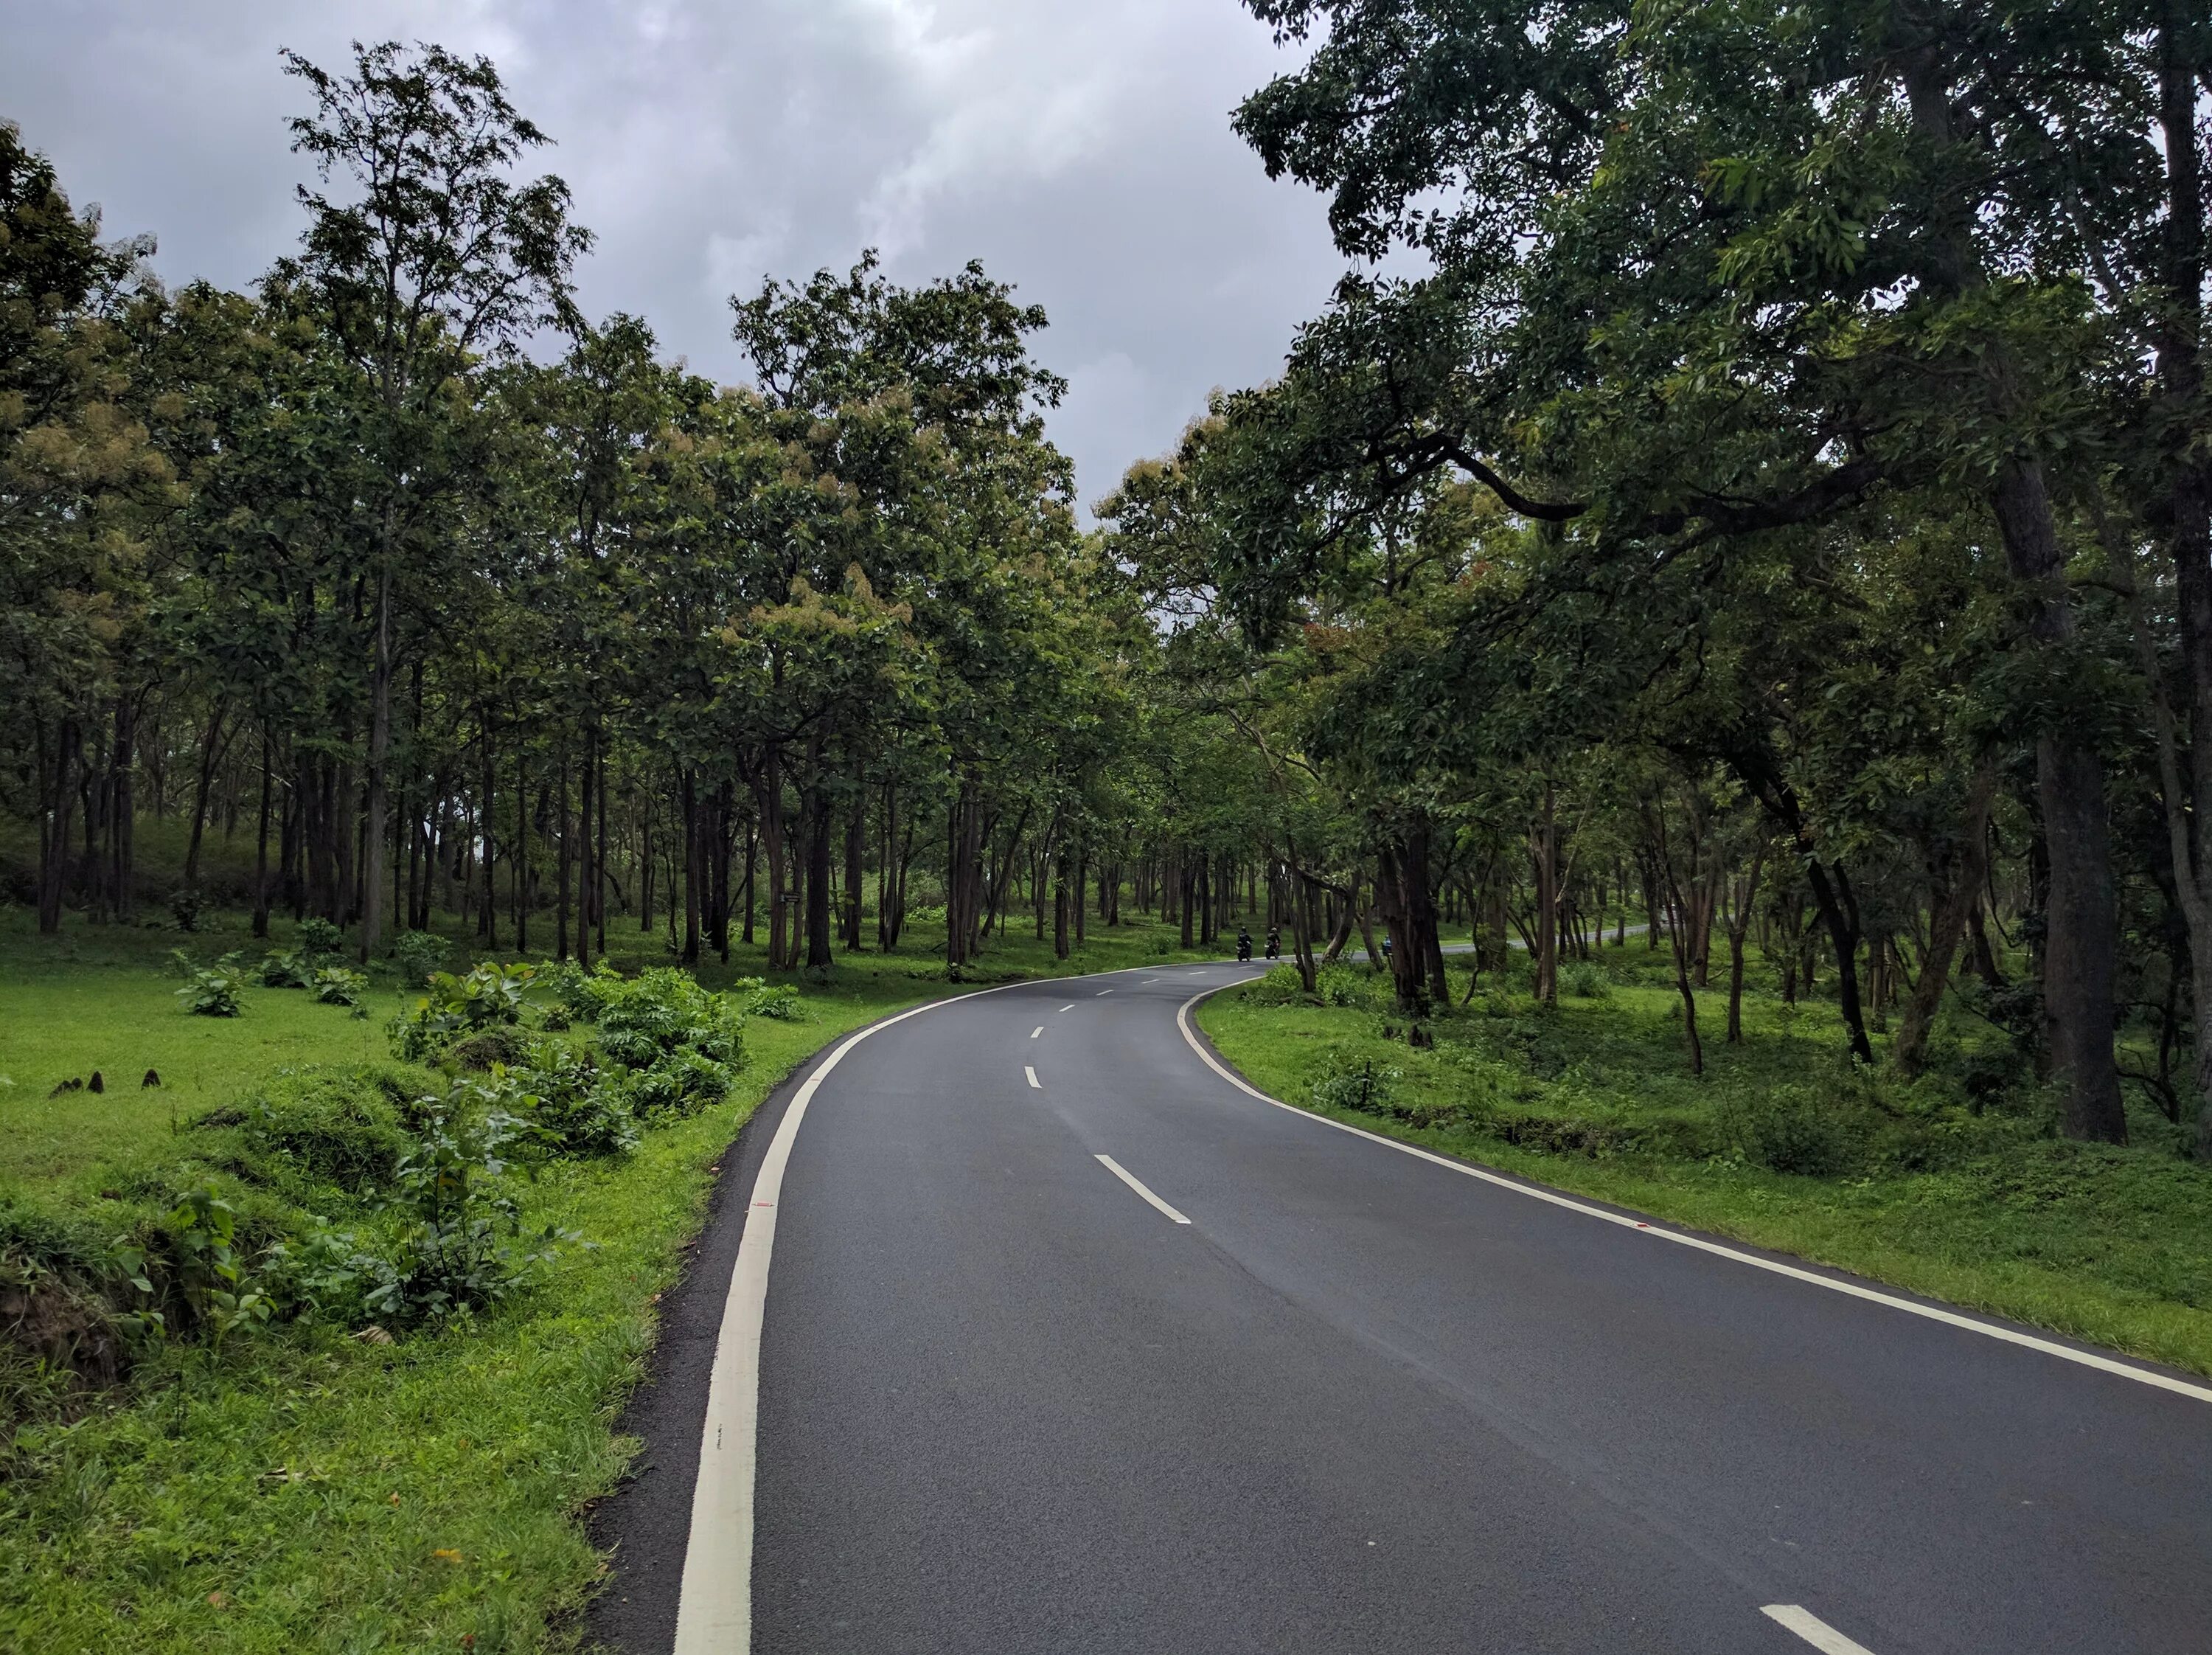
point(1080, 148)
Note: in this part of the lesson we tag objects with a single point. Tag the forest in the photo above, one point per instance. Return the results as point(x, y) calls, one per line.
point(1700, 663)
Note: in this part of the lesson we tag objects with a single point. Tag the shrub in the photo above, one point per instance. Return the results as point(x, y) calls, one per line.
point(1163, 945)
point(213, 990)
point(459, 1247)
point(1364, 1090)
point(319, 938)
point(285, 968)
point(479, 1052)
point(339, 985)
point(779, 1002)
point(663, 1011)
point(1790, 1129)
point(421, 955)
point(212, 1284)
point(186, 907)
point(489, 996)
point(567, 1106)
point(1279, 986)
point(1584, 979)
point(1341, 985)
point(682, 1083)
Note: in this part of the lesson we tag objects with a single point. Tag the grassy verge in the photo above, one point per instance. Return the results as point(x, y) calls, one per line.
point(1952, 1186)
point(306, 1490)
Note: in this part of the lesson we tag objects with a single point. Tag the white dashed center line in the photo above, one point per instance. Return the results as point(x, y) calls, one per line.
point(1814, 1630)
point(1123, 1173)
point(1034, 1081)
point(1036, 1031)
point(1102, 992)
point(1067, 1008)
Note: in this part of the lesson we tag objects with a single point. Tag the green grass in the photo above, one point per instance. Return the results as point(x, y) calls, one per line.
point(305, 1490)
point(1976, 1203)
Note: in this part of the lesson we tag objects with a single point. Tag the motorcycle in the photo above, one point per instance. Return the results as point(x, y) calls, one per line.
point(1243, 946)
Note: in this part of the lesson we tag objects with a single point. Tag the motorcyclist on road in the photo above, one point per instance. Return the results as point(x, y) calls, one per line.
point(1275, 942)
point(1244, 943)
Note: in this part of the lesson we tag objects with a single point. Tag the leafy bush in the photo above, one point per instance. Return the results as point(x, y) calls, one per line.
point(186, 907)
point(1279, 986)
point(1791, 1129)
point(662, 1012)
point(567, 1106)
point(421, 955)
point(213, 990)
point(1163, 943)
point(339, 985)
point(682, 1083)
point(490, 996)
point(459, 1247)
point(285, 968)
point(317, 938)
point(779, 1002)
point(1365, 1089)
point(573, 995)
point(1341, 985)
point(1583, 979)
point(211, 1280)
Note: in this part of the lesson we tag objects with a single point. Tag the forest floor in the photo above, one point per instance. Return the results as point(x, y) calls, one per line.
point(1955, 1186)
point(302, 1489)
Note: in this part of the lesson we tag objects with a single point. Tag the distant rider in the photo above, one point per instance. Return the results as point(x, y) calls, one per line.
point(1244, 943)
point(1275, 942)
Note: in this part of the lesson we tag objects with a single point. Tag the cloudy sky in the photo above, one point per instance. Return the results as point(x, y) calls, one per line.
point(1079, 148)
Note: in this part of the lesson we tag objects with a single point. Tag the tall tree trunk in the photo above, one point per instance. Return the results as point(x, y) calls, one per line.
point(1545, 849)
point(261, 846)
point(820, 833)
point(379, 753)
point(1739, 922)
point(1960, 873)
point(687, 791)
point(2082, 920)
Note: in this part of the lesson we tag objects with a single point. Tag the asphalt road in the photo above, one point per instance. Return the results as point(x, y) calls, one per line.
point(1357, 1401)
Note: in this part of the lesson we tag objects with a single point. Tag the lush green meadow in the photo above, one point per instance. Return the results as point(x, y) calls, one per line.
point(304, 1489)
point(1955, 1186)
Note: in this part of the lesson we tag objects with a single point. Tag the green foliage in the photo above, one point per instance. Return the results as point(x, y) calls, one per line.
point(489, 996)
point(342, 1126)
point(779, 1002)
point(216, 990)
point(1584, 979)
point(339, 985)
point(488, 1049)
point(185, 906)
point(568, 1105)
point(421, 955)
point(681, 1082)
point(1360, 1087)
point(317, 940)
point(457, 1248)
point(1792, 1129)
point(663, 1012)
point(288, 967)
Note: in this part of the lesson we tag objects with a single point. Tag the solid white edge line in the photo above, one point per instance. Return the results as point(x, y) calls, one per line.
point(1813, 1629)
point(1123, 1173)
point(715, 1604)
point(1034, 1081)
point(1931, 1312)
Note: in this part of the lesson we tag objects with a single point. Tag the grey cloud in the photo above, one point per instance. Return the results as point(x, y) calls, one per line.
point(1079, 148)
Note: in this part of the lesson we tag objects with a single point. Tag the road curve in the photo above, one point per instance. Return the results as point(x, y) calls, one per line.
point(1070, 1344)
